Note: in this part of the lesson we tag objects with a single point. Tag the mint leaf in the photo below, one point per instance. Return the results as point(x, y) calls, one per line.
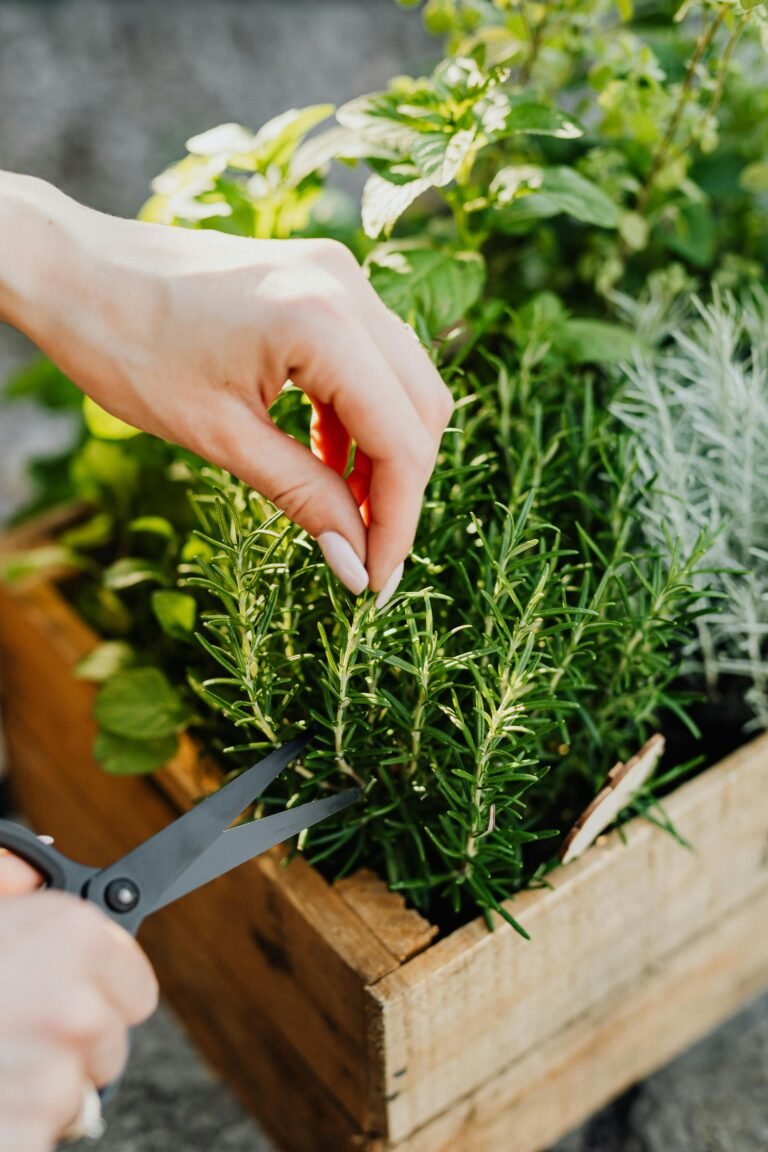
point(153, 525)
point(121, 756)
point(439, 155)
point(132, 570)
point(596, 342)
point(538, 120)
point(19, 565)
point(140, 703)
point(384, 203)
point(433, 287)
point(92, 533)
point(554, 191)
point(105, 660)
point(176, 613)
point(104, 425)
point(103, 467)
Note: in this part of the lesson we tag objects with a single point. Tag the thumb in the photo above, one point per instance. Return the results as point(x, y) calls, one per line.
point(16, 877)
point(308, 491)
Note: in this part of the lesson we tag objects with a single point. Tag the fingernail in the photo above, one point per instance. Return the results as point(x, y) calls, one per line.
point(390, 587)
point(343, 561)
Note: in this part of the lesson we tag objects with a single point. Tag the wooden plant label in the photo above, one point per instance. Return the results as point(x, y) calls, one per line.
point(623, 781)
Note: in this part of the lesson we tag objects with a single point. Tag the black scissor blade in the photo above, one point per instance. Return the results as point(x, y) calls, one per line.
point(157, 863)
point(241, 844)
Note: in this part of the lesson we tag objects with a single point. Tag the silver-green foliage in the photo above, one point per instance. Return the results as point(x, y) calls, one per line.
point(698, 408)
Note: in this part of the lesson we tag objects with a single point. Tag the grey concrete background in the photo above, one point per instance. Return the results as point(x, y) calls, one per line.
point(98, 96)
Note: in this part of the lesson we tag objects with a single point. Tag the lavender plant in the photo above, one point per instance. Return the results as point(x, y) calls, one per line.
point(697, 407)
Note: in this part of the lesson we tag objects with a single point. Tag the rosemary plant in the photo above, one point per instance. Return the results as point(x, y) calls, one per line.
point(529, 647)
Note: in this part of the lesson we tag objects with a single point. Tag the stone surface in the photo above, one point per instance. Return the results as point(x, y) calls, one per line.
point(169, 1099)
point(98, 95)
point(713, 1099)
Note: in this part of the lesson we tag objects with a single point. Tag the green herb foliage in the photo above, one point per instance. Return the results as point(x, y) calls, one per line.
point(558, 153)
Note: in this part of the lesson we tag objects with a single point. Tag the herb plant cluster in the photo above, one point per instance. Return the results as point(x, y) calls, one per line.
point(565, 166)
point(697, 408)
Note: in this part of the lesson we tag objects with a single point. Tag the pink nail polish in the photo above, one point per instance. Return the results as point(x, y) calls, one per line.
point(390, 587)
point(343, 561)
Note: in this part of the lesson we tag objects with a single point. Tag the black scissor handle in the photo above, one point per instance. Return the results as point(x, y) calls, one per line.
point(46, 860)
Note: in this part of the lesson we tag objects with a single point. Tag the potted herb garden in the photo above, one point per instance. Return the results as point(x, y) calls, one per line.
point(570, 211)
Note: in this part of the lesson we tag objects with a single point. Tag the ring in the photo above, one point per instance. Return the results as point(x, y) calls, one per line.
point(89, 1124)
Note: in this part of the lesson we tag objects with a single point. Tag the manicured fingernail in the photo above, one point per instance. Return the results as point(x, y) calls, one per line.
point(343, 561)
point(390, 587)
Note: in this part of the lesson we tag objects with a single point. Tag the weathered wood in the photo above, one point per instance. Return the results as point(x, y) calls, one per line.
point(536, 1100)
point(300, 994)
point(476, 1001)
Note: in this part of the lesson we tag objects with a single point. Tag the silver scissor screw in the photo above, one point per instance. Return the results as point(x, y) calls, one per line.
point(122, 895)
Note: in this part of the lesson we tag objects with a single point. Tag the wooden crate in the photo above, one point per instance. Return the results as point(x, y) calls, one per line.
point(328, 1009)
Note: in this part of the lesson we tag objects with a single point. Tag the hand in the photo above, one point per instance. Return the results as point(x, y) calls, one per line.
point(191, 335)
point(71, 984)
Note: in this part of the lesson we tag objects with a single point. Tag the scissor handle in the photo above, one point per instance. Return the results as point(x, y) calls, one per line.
point(34, 852)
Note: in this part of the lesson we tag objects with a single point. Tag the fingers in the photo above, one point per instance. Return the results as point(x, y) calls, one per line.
point(71, 985)
point(412, 365)
point(393, 368)
point(41, 1086)
point(16, 875)
point(359, 481)
point(329, 438)
point(100, 985)
point(313, 495)
point(347, 371)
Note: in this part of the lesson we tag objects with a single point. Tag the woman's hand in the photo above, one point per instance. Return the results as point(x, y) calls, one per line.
point(191, 335)
point(71, 985)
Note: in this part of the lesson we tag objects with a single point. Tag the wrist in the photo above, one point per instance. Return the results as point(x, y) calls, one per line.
point(35, 252)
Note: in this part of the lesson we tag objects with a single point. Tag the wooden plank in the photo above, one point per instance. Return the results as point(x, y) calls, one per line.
point(626, 1037)
point(401, 929)
point(302, 954)
point(477, 1001)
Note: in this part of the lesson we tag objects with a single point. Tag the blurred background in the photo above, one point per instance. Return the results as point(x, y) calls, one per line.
point(98, 96)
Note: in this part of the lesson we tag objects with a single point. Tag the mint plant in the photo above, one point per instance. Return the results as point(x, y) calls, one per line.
point(517, 198)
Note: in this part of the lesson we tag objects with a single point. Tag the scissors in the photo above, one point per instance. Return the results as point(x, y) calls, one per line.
point(193, 850)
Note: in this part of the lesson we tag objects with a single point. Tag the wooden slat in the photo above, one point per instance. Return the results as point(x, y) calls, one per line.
point(401, 929)
point(475, 1002)
point(561, 1082)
